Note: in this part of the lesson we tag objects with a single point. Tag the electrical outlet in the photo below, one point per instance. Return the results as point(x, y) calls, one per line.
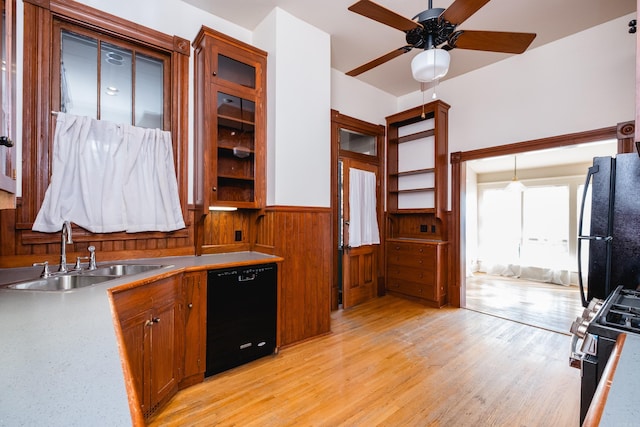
point(238, 235)
point(423, 228)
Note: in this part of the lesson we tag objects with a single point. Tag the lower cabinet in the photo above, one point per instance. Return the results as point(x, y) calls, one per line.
point(194, 315)
point(149, 320)
point(416, 268)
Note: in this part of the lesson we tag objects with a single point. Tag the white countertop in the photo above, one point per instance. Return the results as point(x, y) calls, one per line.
point(59, 360)
point(623, 404)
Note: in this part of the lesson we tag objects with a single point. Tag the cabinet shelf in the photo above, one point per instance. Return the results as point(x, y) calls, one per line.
point(236, 123)
point(413, 136)
point(413, 172)
point(413, 190)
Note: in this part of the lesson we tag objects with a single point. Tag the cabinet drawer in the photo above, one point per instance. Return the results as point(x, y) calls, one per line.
point(416, 275)
point(144, 297)
point(423, 262)
point(411, 288)
point(406, 248)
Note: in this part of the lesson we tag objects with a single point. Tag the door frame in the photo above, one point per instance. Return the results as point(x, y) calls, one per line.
point(341, 121)
point(624, 132)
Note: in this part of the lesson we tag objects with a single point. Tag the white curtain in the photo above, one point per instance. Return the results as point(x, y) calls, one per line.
point(110, 177)
point(363, 219)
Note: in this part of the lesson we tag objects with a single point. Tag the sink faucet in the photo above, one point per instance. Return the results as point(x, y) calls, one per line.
point(66, 239)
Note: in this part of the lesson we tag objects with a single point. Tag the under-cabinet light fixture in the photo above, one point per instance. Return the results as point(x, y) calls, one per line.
point(222, 208)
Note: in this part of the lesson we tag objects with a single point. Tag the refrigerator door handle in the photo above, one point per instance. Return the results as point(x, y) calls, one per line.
point(592, 170)
point(605, 238)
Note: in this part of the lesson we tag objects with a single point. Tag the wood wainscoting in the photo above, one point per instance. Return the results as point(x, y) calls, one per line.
point(302, 236)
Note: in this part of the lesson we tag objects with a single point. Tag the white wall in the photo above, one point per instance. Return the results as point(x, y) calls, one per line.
point(583, 82)
point(298, 117)
point(355, 98)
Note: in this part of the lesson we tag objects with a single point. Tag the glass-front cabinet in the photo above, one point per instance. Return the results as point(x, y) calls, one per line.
point(230, 123)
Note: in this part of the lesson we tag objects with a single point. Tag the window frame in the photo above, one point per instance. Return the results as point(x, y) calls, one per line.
point(39, 89)
point(59, 26)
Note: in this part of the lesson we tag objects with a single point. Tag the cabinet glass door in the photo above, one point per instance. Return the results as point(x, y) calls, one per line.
point(236, 149)
point(236, 72)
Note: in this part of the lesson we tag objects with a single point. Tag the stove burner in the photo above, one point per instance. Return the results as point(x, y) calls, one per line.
point(624, 311)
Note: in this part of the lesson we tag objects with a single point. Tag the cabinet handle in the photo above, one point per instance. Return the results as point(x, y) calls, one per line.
point(214, 73)
point(152, 321)
point(190, 305)
point(214, 189)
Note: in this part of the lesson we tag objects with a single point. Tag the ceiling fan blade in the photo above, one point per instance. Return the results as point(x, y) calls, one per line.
point(383, 15)
point(461, 10)
point(492, 41)
point(378, 61)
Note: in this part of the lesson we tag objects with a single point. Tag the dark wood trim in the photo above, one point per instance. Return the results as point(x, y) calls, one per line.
point(625, 134)
point(457, 284)
point(280, 208)
point(539, 144)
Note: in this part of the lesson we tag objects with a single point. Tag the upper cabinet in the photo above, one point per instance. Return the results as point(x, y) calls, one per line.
point(230, 81)
point(417, 160)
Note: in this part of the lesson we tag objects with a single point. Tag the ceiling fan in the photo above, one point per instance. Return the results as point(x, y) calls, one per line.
point(435, 31)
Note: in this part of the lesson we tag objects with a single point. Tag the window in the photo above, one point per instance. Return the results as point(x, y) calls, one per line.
point(140, 60)
point(107, 79)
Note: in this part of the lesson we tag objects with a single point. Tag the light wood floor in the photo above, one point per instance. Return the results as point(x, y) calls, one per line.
point(544, 305)
point(392, 362)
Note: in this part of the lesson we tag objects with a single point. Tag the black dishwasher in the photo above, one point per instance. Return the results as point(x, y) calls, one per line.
point(241, 315)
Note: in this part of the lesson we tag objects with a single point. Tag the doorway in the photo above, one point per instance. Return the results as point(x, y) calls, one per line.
point(357, 153)
point(464, 200)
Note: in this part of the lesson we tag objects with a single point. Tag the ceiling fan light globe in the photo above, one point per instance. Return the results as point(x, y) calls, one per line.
point(430, 65)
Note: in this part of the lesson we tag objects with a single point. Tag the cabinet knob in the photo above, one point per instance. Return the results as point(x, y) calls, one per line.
point(214, 188)
point(190, 305)
point(156, 320)
point(214, 73)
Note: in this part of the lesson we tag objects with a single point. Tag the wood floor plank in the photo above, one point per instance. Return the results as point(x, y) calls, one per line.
point(392, 362)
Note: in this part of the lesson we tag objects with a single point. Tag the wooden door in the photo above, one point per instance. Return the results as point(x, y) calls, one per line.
point(359, 264)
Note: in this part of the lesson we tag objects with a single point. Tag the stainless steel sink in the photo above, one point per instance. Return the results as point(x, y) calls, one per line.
point(83, 278)
point(122, 269)
point(60, 283)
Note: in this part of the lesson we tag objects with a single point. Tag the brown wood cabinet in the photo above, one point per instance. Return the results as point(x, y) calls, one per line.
point(230, 85)
point(149, 321)
point(194, 314)
point(417, 197)
point(412, 269)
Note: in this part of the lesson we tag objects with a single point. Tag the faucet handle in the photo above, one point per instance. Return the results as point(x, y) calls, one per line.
point(92, 257)
point(78, 266)
point(45, 272)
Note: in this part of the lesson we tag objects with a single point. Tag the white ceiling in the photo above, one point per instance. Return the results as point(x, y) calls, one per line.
point(356, 40)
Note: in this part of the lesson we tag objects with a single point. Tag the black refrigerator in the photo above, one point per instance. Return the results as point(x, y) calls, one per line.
point(613, 237)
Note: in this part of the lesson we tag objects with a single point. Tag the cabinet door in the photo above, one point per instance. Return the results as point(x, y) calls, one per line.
point(233, 175)
point(163, 379)
point(134, 333)
point(195, 304)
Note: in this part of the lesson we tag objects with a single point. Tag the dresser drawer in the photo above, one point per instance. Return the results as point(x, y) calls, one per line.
point(409, 274)
point(411, 288)
point(409, 248)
